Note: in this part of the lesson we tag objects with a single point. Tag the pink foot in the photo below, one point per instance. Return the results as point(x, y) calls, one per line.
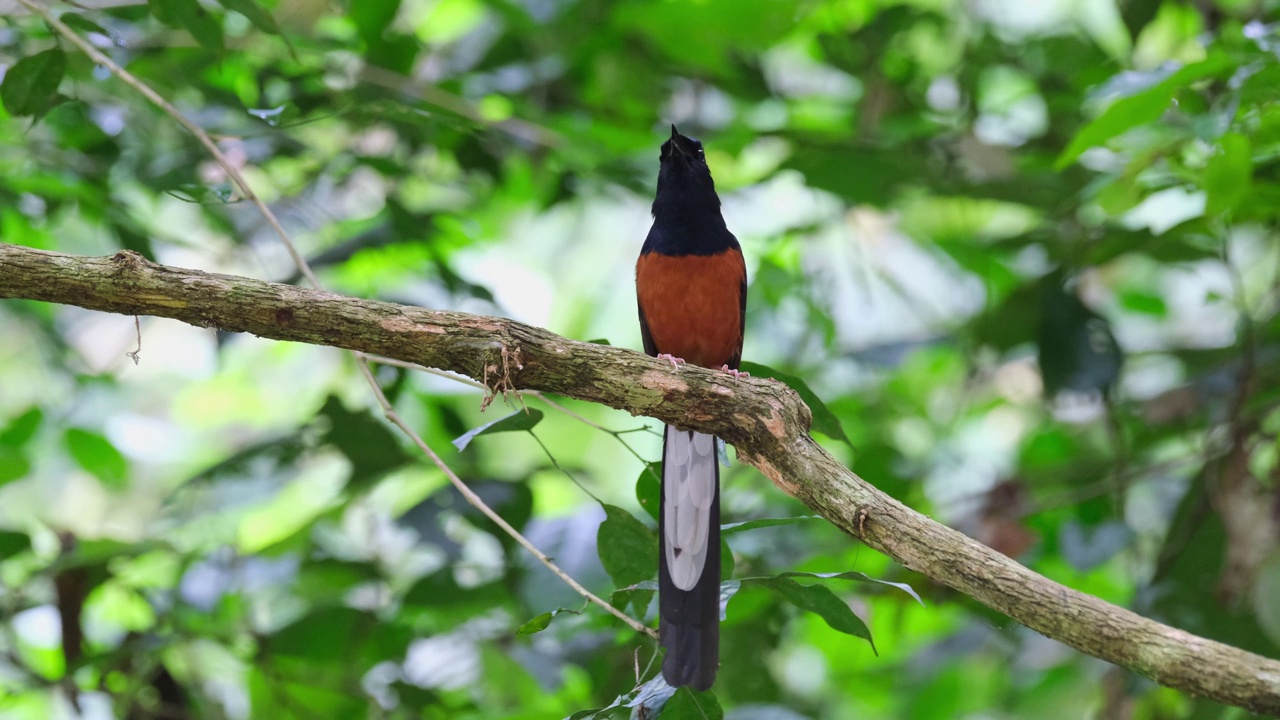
point(675, 361)
point(735, 373)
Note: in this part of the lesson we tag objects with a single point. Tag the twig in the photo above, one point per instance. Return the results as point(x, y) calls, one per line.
point(547, 451)
point(198, 132)
point(362, 363)
point(479, 504)
point(463, 379)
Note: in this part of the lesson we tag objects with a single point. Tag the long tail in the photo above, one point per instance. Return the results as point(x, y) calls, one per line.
point(689, 559)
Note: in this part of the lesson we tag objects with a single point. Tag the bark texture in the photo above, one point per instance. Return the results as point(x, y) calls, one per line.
point(763, 419)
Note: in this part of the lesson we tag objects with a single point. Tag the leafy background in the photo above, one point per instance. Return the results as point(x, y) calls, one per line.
point(1024, 251)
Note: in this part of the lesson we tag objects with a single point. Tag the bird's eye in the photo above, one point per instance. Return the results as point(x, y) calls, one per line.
point(700, 152)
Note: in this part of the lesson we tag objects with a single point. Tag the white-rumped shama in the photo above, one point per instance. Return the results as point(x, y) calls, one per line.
point(691, 288)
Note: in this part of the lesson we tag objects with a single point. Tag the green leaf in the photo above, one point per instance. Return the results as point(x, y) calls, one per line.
point(389, 638)
point(858, 577)
point(98, 553)
point(824, 421)
point(80, 22)
point(1137, 13)
point(30, 86)
point(1076, 347)
point(205, 27)
point(882, 170)
point(536, 624)
point(21, 429)
point(326, 581)
point(513, 501)
point(370, 444)
point(329, 635)
point(689, 705)
point(816, 599)
point(1229, 175)
point(727, 563)
point(272, 454)
point(638, 596)
point(541, 622)
point(257, 15)
point(1141, 108)
point(14, 465)
point(294, 689)
point(440, 591)
point(98, 456)
point(649, 489)
point(1144, 303)
point(383, 45)
point(705, 36)
point(12, 543)
point(415, 699)
point(628, 550)
point(372, 19)
point(164, 11)
point(518, 420)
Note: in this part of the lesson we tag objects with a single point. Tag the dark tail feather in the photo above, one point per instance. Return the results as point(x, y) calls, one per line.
point(689, 620)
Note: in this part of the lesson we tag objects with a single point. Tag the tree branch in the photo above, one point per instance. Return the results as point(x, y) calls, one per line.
point(764, 420)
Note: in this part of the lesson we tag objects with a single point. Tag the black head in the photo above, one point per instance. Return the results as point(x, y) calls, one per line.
point(681, 147)
point(684, 178)
point(686, 212)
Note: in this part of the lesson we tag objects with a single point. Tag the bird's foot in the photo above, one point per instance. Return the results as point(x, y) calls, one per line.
point(735, 373)
point(675, 361)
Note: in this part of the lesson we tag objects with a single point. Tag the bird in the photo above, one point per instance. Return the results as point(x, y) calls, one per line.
point(691, 291)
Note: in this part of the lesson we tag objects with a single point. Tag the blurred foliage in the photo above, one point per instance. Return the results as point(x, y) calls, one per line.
point(1024, 251)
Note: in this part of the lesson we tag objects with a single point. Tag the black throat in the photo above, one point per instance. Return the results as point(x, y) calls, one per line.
point(686, 210)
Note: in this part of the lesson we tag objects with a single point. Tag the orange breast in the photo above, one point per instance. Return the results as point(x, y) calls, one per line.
point(693, 304)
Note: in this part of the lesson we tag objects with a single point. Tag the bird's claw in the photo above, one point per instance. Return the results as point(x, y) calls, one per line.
point(675, 361)
point(735, 373)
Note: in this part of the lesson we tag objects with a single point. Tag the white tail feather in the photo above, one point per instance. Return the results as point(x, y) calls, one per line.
point(689, 482)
